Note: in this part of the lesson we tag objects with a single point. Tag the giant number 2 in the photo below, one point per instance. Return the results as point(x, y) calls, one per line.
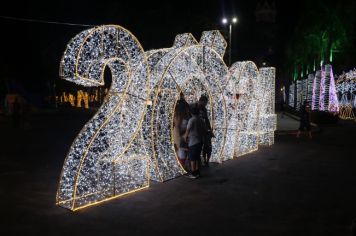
point(104, 161)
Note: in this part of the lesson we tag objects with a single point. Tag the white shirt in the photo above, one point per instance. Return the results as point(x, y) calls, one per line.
point(194, 137)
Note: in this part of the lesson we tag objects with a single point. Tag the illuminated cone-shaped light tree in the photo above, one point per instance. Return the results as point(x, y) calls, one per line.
point(316, 90)
point(346, 88)
point(299, 94)
point(310, 82)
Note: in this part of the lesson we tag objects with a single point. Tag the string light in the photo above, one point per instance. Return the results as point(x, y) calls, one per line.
point(332, 103)
point(346, 87)
point(299, 95)
point(194, 69)
point(323, 91)
point(310, 82)
point(320, 90)
point(316, 90)
point(130, 139)
point(93, 169)
point(267, 118)
point(291, 95)
point(245, 123)
point(305, 89)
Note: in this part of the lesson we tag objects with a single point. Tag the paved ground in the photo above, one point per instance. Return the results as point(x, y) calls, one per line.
point(295, 187)
point(289, 123)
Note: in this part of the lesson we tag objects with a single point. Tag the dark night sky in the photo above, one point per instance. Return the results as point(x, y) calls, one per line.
point(31, 51)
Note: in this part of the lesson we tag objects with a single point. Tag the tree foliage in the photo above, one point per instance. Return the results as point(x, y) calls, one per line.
point(324, 30)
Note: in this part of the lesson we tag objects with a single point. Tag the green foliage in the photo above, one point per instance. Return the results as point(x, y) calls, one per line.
point(324, 27)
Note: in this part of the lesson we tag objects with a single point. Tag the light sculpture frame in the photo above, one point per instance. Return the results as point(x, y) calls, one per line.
point(346, 88)
point(93, 171)
point(245, 126)
point(299, 95)
point(316, 90)
point(291, 95)
point(310, 81)
point(332, 103)
point(130, 139)
point(187, 61)
point(267, 118)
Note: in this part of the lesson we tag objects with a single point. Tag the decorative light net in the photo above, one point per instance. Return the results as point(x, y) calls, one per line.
point(316, 90)
point(130, 139)
point(246, 115)
point(106, 159)
point(267, 117)
point(346, 91)
point(291, 95)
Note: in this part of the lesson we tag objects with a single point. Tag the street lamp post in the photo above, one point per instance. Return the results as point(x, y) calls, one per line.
point(230, 22)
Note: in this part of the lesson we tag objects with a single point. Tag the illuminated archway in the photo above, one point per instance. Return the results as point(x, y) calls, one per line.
point(174, 72)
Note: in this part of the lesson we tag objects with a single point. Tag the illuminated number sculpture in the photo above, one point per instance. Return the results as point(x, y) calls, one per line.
point(130, 139)
point(267, 117)
point(247, 107)
point(195, 69)
point(106, 159)
point(158, 127)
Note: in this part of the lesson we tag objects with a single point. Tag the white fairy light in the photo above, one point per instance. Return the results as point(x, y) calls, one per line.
point(346, 88)
point(299, 94)
point(130, 138)
point(93, 170)
point(194, 69)
point(316, 90)
point(246, 126)
point(267, 117)
point(310, 81)
point(304, 90)
point(291, 95)
point(332, 104)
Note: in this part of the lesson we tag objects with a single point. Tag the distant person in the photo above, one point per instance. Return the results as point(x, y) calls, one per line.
point(182, 107)
point(282, 108)
point(183, 147)
point(207, 130)
point(305, 120)
point(194, 137)
point(181, 118)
